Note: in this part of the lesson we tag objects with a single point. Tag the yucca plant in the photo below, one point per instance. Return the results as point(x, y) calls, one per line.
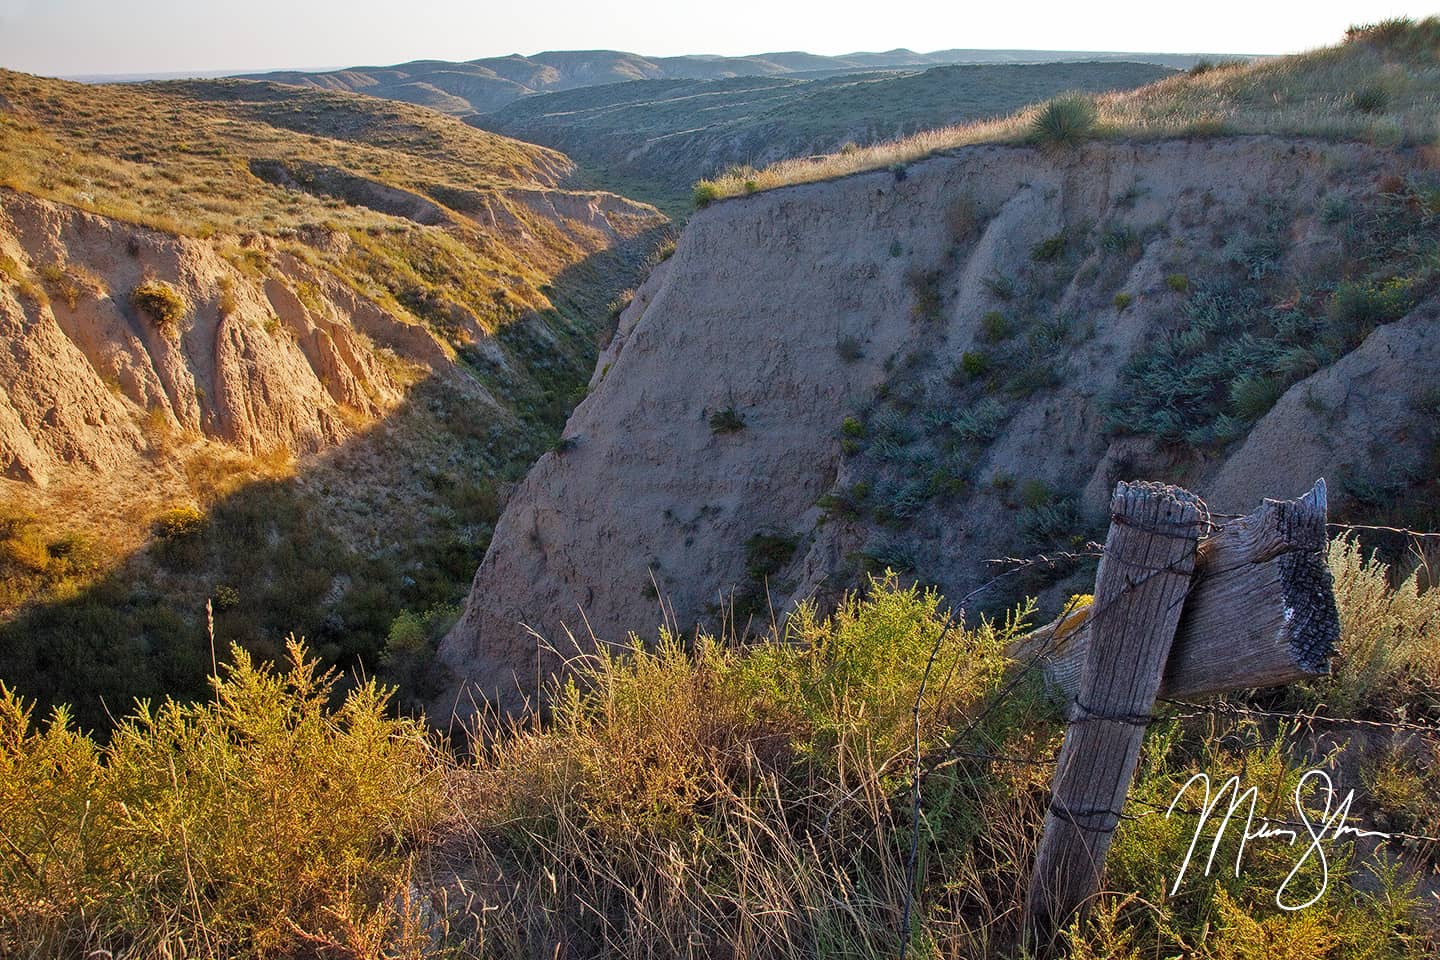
point(1064, 122)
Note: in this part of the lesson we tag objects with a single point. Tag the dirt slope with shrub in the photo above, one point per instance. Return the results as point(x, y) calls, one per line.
point(928, 367)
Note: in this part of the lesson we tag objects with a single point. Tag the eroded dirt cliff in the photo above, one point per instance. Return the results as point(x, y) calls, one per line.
point(926, 368)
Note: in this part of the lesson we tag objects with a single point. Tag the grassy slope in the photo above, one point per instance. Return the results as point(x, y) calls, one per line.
point(654, 138)
point(338, 547)
point(1379, 86)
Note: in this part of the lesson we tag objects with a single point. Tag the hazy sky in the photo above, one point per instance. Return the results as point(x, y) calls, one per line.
point(68, 37)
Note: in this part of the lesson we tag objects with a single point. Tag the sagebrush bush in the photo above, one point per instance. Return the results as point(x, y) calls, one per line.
point(1358, 306)
point(162, 303)
point(1050, 248)
point(1231, 913)
point(1373, 98)
point(995, 326)
point(264, 823)
point(705, 193)
point(722, 799)
point(1390, 637)
point(727, 420)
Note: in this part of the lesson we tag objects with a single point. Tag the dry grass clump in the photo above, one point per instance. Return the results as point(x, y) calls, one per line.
point(265, 823)
point(1380, 86)
point(745, 803)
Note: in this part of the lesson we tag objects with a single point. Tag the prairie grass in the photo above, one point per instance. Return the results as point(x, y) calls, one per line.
point(681, 799)
point(1326, 93)
point(741, 802)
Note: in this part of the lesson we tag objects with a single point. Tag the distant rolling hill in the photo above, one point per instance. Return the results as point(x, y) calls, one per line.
point(485, 85)
point(653, 139)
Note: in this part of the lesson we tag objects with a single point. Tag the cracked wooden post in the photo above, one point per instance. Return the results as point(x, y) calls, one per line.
point(1140, 588)
point(1261, 611)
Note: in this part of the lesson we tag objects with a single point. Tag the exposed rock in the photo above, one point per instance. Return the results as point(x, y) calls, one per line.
point(249, 364)
point(747, 316)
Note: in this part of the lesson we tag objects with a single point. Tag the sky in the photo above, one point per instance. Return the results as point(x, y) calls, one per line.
point(87, 37)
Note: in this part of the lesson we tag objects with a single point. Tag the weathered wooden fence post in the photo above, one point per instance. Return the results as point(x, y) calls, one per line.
point(1260, 611)
point(1141, 585)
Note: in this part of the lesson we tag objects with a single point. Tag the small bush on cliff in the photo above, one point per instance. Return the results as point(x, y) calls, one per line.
point(705, 193)
point(1358, 306)
point(1371, 98)
point(162, 303)
point(725, 421)
point(1064, 122)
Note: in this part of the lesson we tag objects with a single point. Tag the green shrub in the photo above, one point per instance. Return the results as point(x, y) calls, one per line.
point(1252, 396)
point(925, 285)
point(974, 364)
point(1358, 306)
point(980, 423)
point(848, 349)
point(226, 598)
point(995, 326)
point(1064, 122)
point(1001, 287)
point(257, 825)
point(845, 503)
point(1178, 282)
point(705, 193)
point(162, 303)
point(1387, 655)
point(1035, 493)
point(767, 552)
point(727, 420)
point(852, 427)
point(1372, 98)
point(1232, 912)
point(179, 522)
point(1119, 240)
point(1123, 301)
point(1051, 248)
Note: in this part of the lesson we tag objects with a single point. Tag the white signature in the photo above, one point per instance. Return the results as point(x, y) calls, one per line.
point(1330, 826)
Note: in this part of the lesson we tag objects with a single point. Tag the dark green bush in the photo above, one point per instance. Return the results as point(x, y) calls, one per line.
point(995, 326)
point(1358, 306)
point(1051, 248)
point(848, 349)
point(1253, 396)
point(1064, 122)
point(767, 552)
point(1372, 98)
point(726, 421)
point(705, 193)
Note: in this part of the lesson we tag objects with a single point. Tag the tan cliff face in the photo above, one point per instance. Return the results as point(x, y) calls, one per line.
point(792, 310)
point(87, 374)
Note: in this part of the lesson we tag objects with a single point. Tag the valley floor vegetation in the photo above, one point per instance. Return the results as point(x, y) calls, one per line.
point(704, 799)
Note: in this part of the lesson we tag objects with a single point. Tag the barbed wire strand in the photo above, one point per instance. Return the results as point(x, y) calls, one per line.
point(958, 609)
